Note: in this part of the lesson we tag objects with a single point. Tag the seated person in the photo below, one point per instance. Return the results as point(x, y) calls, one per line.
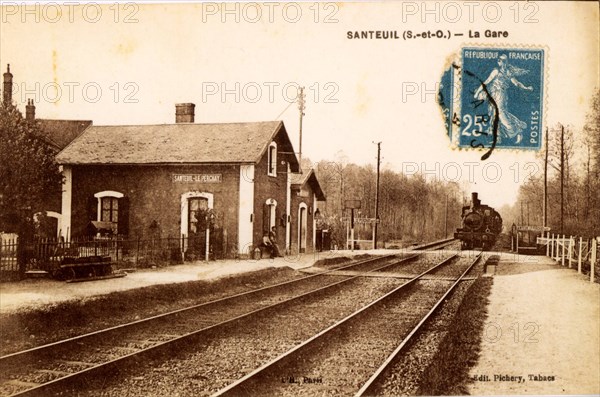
point(266, 244)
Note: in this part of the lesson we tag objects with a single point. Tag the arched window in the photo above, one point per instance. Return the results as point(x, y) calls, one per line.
point(113, 209)
point(108, 206)
point(193, 208)
point(302, 227)
point(50, 227)
point(272, 160)
point(197, 210)
point(269, 215)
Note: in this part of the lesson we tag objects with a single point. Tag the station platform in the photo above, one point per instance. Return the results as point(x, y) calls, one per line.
point(35, 293)
point(542, 333)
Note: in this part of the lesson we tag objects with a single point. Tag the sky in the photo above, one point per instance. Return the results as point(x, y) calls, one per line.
point(129, 63)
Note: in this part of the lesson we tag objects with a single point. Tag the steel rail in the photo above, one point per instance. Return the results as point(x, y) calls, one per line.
point(39, 349)
point(435, 244)
point(44, 388)
point(367, 387)
point(231, 388)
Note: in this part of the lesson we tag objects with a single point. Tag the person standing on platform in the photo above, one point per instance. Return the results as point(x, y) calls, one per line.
point(273, 238)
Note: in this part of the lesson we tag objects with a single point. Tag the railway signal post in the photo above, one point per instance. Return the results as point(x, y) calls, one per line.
point(352, 205)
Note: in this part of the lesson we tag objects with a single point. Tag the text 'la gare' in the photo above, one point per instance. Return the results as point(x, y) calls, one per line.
point(489, 33)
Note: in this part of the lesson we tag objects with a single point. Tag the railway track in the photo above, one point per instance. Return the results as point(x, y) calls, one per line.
point(374, 384)
point(344, 359)
point(435, 245)
point(46, 369)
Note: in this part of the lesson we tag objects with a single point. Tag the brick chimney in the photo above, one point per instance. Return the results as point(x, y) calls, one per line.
point(30, 110)
point(8, 86)
point(184, 112)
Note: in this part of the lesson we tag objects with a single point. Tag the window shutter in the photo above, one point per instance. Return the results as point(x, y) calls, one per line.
point(92, 208)
point(266, 216)
point(123, 222)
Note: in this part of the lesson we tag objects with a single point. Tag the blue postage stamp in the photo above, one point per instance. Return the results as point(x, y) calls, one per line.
point(501, 99)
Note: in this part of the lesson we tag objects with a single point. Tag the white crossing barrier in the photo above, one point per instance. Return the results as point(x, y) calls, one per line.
point(563, 249)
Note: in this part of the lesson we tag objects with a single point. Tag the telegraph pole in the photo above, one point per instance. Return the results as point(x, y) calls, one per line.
point(377, 196)
point(301, 107)
point(562, 176)
point(446, 218)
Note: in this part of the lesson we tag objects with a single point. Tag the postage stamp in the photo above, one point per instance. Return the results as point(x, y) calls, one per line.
point(501, 98)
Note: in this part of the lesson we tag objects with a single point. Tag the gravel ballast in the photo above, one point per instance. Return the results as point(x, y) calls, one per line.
point(227, 354)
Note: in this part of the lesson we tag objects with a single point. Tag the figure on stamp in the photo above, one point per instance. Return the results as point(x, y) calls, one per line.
point(497, 85)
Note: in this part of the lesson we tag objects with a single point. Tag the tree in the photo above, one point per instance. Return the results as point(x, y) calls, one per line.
point(561, 152)
point(28, 173)
point(591, 131)
point(592, 128)
point(411, 208)
point(574, 203)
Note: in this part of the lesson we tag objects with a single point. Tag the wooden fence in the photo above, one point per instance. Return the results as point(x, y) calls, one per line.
point(573, 251)
point(46, 255)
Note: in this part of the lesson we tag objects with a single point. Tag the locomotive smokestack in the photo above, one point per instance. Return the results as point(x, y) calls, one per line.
point(474, 200)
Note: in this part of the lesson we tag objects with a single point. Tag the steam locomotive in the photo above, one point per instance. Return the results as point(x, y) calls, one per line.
point(481, 225)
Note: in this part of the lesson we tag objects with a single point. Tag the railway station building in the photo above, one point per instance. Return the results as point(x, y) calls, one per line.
point(306, 193)
point(232, 181)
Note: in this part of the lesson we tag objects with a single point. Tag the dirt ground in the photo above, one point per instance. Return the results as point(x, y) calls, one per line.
point(544, 326)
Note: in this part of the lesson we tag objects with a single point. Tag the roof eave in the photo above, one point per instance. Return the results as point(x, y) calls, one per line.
point(169, 163)
point(316, 186)
point(293, 160)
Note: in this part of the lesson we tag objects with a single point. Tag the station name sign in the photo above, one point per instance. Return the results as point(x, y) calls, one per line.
point(198, 178)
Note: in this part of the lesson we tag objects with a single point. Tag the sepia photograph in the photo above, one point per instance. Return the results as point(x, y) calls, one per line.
point(311, 198)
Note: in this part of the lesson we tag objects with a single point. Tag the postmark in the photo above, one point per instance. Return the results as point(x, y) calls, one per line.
point(445, 99)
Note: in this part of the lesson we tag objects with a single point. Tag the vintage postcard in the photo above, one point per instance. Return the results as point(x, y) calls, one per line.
point(299, 198)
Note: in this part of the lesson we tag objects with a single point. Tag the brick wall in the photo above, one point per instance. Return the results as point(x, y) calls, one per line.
point(153, 197)
point(269, 187)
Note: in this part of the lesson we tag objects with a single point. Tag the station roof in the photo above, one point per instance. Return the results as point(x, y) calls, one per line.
point(309, 177)
point(59, 133)
point(180, 143)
